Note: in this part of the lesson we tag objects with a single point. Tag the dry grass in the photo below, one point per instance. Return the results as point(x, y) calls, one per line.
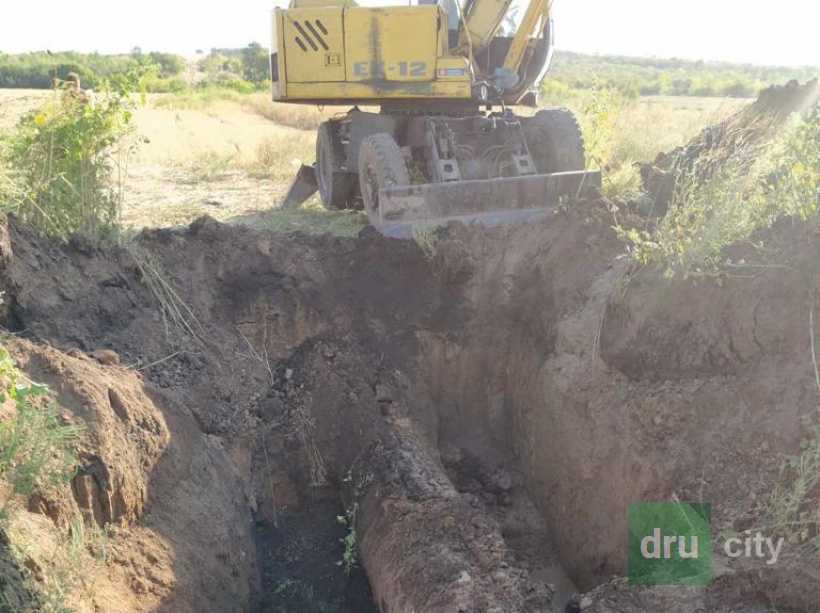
point(661, 123)
point(14, 103)
point(299, 116)
point(311, 218)
point(277, 158)
point(220, 160)
point(302, 117)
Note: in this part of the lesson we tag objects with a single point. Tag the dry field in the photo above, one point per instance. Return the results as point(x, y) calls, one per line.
point(231, 156)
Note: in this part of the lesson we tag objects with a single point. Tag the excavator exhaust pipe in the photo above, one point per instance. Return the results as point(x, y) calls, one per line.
point(487, 202)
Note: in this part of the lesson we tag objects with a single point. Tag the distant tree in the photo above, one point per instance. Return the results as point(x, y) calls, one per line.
point(255, 63)
point(169, 64)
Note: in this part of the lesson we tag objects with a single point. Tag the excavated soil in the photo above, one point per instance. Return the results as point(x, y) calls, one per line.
point(489, 412)
point(482, 415)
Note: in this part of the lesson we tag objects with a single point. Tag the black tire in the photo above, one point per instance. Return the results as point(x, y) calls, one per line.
point(335, 185)
point(555, 141)
point(381, 164)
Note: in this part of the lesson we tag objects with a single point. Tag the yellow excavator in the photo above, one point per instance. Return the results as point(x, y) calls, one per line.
point(436, 138)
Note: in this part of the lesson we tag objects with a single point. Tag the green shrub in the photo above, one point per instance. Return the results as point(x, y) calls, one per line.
point(62, 158)
point(249, 64)
point(39, 69)
point(600, 113)
point(35, 448)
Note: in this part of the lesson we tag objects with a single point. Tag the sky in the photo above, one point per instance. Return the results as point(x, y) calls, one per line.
point(769, 33)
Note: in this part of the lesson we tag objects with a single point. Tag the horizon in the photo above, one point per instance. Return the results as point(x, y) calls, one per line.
point(206, 50)
point(633, 28)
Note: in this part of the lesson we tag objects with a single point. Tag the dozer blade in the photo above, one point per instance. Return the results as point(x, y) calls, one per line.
point(303, 187)
point(488, 202)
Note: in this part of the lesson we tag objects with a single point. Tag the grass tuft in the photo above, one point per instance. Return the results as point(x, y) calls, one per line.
point(738, 197)
point(310, 218)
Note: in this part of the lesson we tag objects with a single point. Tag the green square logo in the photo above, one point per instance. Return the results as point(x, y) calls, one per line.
point(670, 543)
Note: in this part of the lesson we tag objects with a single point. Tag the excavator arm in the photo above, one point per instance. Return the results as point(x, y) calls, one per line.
point(537, 14)
point(520, 60)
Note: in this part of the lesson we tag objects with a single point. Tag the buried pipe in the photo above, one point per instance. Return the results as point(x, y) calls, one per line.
point(425, 546)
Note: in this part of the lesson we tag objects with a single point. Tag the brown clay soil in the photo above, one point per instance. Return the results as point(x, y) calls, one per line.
point(482, 416)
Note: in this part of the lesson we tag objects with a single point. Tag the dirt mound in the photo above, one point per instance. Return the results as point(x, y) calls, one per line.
point(733, 143)
point(153, 480)
point(481, 414)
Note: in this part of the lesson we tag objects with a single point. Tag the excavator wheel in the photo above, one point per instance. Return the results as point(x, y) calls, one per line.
point(335, 185)
point(555, 141)
point(381, 164)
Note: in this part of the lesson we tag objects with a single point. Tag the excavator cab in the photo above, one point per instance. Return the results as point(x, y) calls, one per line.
point(431, 136)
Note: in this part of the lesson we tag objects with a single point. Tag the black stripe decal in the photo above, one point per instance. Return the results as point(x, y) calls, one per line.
point(300, 43)
point(305, 35)
point(316, 34)
point(321, 26)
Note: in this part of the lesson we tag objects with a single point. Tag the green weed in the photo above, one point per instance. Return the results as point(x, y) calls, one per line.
point(350, 553)
point(37, 455)
point(36, 450)
point(64, 163)
point(731, 203)
point(790, 507)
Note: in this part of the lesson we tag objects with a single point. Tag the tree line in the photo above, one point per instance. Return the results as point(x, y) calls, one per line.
point(670, 77)
point(246, 69)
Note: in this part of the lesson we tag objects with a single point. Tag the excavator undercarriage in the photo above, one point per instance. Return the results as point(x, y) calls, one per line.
point(408, 170)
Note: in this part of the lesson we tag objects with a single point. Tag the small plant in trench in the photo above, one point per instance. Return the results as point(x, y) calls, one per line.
point(792, 505)
point(427, 238)
point(350, 554)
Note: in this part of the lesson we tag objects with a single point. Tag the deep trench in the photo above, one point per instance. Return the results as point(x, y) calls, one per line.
point(489, 410)
point(301, 553)
point(285, 327)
